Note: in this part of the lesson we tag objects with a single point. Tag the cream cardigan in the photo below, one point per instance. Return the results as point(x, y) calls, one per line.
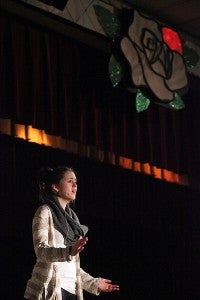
point(44, 283)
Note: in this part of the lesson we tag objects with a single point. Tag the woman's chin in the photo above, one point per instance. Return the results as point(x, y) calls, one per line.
point(73, 200)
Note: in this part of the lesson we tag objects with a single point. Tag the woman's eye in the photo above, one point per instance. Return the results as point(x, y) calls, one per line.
point(71, 181)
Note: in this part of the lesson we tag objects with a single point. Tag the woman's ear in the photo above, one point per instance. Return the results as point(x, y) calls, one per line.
point(54, 188)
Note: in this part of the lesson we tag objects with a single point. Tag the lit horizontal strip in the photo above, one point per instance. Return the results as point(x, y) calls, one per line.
point(27, 132)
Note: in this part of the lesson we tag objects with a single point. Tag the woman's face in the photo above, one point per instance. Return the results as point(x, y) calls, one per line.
point(67, 186)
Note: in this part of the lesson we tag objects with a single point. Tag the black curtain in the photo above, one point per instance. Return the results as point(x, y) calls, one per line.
point(63, 87)
point(143, 233)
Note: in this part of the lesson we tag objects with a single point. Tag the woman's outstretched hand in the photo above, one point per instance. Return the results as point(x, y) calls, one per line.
point(106, 285)
point(78, 246)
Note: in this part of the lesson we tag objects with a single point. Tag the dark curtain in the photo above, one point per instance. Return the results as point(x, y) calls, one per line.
point(143, 233)
point(63, 87)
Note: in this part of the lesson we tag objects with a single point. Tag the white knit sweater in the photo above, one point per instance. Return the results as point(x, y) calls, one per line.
point(45, 280)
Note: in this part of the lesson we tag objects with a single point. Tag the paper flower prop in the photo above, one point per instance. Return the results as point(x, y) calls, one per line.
point(154, 55)
point(152, 62)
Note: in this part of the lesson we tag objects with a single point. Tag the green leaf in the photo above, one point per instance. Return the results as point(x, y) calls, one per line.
point(142, 102)
point(109, 21)
point(190, 56)
point(115, 70)
point(177, 103)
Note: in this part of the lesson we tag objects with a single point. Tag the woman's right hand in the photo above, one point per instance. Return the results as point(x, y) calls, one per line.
point(78, 246)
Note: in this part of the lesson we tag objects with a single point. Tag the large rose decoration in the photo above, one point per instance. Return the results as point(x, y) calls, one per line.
point(148, 59)
point(153, 64)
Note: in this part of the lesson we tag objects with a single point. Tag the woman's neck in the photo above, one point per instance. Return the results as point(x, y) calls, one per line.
point(63, 203)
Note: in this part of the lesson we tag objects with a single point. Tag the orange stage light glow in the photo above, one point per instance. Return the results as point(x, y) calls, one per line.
point(30, 134)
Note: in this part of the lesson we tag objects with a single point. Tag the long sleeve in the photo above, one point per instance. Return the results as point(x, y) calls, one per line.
point(89, 283)
point(43, 238)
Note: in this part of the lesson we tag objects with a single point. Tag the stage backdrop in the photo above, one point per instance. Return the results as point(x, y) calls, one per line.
point(143, 233)
point(57, 84)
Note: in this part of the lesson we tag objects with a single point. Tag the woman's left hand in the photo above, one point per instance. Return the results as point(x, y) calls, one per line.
point(106, 285)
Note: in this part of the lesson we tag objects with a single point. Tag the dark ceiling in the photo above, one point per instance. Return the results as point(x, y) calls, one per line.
point(183, 15)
